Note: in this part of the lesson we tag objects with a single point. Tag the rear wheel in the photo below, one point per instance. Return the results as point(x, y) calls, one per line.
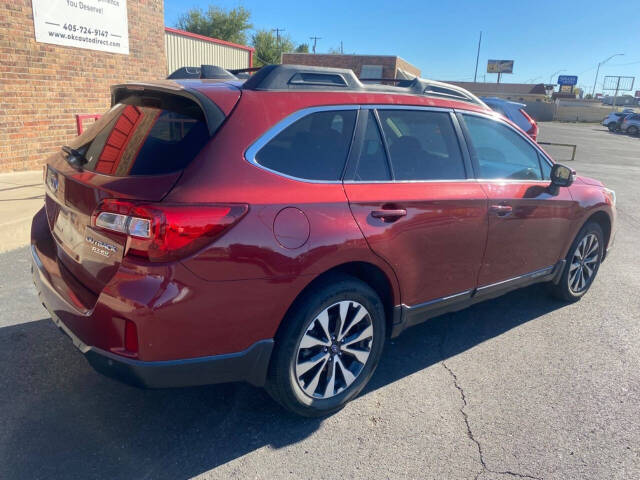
point(328, 347)
point(582, 263)
point(632, 130)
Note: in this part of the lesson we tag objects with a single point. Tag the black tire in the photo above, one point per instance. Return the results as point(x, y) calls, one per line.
point(282, 383)
point(563, 289)
point(611, 126)
point(632, 130)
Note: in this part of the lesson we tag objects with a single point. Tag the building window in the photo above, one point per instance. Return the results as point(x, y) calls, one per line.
point(371, 71)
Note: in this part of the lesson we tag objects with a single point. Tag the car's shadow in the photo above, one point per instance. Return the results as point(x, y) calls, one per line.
point(60, 419)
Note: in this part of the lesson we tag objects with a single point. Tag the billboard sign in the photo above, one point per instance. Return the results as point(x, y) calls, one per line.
point(92, 24)
point(500, 66)
point(567, 80)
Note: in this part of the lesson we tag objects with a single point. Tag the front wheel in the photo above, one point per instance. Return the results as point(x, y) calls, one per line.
point(328, 347)
point(612, 127)
point(582, 263)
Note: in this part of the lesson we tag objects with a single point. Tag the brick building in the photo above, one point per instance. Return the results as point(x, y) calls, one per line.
point(43, 86)
point(364, 66)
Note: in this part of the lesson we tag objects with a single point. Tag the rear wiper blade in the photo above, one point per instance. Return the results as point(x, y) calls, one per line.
point(75, 158)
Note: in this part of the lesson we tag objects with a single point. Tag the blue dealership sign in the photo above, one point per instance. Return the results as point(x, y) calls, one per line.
point(567, 80)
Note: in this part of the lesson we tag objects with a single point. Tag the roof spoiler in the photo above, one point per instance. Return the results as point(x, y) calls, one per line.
point(212, 113)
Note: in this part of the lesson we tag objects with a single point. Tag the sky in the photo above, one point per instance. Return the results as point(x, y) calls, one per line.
point(441, 37)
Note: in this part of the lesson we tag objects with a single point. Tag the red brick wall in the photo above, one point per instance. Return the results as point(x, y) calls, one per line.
point(354, 62)
point(43, 86)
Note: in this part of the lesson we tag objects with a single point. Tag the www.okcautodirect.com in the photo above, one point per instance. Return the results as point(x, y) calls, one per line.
point(84, 39)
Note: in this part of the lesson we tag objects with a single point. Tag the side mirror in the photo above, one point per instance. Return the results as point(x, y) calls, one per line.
point(561, 176)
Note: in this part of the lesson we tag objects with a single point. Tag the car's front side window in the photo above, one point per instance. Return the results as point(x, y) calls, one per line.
point(500, 152)
point(422, 145)
point(314, 147)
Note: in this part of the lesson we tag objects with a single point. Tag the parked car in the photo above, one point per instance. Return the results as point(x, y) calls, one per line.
point(279, 230)
point(631, 124)
point(515, 112)
point(613, 121)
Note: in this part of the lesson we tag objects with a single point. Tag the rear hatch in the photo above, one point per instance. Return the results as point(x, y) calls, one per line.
point(134, 153)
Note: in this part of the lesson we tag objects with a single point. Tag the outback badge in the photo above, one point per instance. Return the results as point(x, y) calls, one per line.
point(101, 248)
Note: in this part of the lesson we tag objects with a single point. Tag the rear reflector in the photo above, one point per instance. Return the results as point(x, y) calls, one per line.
point(162, 233)
point(130, 337)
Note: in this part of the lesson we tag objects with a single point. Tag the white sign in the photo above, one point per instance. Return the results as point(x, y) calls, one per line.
point(93, 24)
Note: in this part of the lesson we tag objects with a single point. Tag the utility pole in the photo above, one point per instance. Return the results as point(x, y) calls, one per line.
point(499, 74)
point(341, 49)
point(616, 93)
point(277, 30)
point(315, 40)
point(477, 57)
point(593, 92)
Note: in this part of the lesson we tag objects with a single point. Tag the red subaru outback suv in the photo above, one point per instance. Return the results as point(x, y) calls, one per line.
point(278, 230)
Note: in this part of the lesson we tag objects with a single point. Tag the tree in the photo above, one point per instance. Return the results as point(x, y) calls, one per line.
point(302, 48)
point(268, 48)
point(230, 25)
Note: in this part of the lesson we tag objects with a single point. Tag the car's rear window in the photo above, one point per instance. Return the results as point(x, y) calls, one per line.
point(144, 138)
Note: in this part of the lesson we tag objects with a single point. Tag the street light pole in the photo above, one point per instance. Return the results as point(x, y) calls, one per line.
point(477, 58)
point(593, 92)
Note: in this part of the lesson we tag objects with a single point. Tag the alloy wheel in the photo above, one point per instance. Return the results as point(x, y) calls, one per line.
point(584, 263)
point(334, 349)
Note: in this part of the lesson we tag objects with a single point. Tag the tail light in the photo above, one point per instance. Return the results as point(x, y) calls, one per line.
point(533, 131)
point(162, 233)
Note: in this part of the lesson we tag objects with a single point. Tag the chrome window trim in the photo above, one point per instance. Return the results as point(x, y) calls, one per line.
point(461, 180)
point(406, 107)
point(255, 147)
point(498, 118)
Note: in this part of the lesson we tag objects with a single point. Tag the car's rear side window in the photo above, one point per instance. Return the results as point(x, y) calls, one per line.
point(314, 147)
point(372, 164)
point(422, 145)
point(140, 139)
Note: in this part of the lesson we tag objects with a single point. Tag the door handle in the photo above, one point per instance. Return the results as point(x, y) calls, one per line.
point(390, 215)
point(501, 210)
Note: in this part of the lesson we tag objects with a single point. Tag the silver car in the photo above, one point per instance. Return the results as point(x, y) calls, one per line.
point(631, 124)
point(614, 119)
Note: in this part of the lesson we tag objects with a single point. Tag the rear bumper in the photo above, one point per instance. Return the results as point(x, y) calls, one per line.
point(249, 365)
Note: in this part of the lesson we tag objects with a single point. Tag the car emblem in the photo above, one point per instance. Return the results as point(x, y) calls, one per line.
point(100, 247)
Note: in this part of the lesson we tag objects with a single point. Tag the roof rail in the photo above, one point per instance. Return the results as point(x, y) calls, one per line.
point(302, 77)
point(212, 72)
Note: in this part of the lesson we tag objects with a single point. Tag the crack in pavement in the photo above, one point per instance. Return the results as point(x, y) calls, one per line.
point(465, 416)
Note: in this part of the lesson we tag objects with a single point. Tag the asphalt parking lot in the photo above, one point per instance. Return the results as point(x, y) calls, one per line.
point(523, 386)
